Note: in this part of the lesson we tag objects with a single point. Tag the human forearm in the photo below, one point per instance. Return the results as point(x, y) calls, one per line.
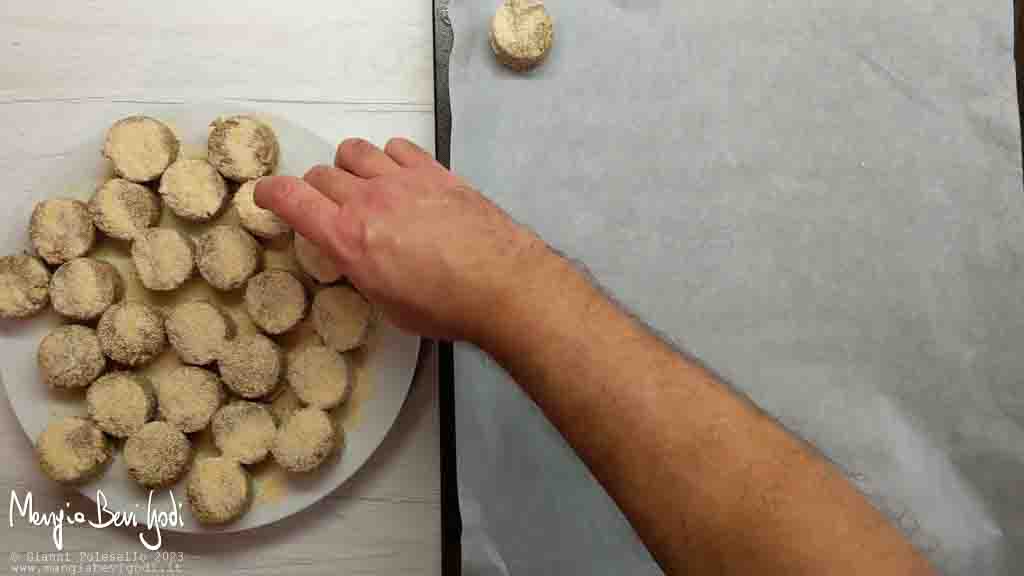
point(710, 482)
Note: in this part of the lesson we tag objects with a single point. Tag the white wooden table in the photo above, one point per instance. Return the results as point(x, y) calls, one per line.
point(360, 67)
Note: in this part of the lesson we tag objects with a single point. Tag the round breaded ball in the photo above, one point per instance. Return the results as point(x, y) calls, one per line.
point(219, 490)
point(275, 301)
point(251, 365)
point(244, 431)
point(131, 333)
point(121, 208)
point(227, 256)
point(188, 397)
point(319, 375)
point(164, 258)
point(242, 147)
point(258, 221)
point(71, 450)
point(193, 189)
point(305, 441)
point(82, 289)
point(522, 33)
point(61, 229)
point(120, 403)
point(24, 286)
point(197, 331)
point(314, 262)
point(140, 148)
point(341, 316)
point(157, 455)
point(70, 357)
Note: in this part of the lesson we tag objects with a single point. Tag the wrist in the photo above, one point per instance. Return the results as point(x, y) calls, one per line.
point(532, 292)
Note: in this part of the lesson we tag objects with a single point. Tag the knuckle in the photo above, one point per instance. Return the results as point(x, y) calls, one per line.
point(348, 235)
point(386, 194)
point(396, 145)
point(355, 148)
point(316, 173)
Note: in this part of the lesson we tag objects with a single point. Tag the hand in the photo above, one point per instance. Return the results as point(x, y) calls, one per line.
point(430, 251)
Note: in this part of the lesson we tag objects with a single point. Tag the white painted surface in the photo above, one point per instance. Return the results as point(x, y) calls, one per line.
point(340, 69)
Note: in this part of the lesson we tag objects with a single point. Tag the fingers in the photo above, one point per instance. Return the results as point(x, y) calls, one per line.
point(363, 159)
point(309, 212)
point(407, 154)
point(336, 184)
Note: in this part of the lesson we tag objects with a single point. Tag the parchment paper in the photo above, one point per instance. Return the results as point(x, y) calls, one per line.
point(821, 200)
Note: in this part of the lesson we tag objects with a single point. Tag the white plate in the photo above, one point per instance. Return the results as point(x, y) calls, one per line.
point(389, 362)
